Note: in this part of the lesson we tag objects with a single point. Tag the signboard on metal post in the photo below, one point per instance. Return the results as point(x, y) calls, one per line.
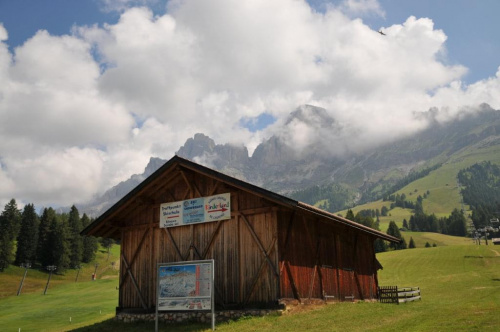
point(196, 210)
point(185, 286)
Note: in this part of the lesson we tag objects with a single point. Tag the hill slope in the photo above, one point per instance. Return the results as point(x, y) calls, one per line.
point(460, 287)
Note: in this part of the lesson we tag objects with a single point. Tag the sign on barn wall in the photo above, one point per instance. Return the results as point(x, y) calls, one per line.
point(185, 286)
point(196, 210)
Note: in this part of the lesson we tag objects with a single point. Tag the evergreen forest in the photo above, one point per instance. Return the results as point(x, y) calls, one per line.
point(50, 239)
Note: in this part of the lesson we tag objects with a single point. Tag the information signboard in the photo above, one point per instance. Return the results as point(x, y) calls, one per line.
point(186, 286)
point(197, 210)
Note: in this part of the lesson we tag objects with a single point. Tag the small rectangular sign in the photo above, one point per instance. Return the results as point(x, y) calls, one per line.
point(196, 210)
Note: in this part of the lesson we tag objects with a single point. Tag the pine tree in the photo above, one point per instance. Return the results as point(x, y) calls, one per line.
point(60, 251)
point(6, 244)
point(427, 245)
point(402, 244)
point(405, 224)
point(380, 245)
point(349, 215)
point(411, 245)
point(28, 236)
point(76, 241)
point(12, 217)
point(44, 247)
point(106, 243)
point(6, 247)
point(457, 223)
point(384, 211)
point(10, 221)
point(393, 230)
point(90, 243)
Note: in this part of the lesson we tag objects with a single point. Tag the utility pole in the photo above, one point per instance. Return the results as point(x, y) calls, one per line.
point(77, 272)
point(94, 276)
point(26, 266)
point(50, 268)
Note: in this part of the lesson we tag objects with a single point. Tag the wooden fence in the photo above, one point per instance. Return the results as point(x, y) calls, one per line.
point(393, 294)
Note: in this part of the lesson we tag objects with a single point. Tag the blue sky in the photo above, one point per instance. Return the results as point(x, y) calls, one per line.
point(472, 27)
point(90, 90)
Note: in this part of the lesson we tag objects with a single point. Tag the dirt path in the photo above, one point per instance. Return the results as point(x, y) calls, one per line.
point(496, 252)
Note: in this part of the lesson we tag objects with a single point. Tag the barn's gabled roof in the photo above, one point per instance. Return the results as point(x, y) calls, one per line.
point(103, 228)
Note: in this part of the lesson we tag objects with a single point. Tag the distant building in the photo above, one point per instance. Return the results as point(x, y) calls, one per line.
point(496, 241)
point(270, 248)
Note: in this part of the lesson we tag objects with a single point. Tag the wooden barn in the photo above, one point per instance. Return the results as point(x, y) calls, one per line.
point(270, 248)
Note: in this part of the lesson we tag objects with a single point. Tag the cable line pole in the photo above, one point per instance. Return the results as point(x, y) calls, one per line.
point(77, 272)
point(50, 268)
point(26, 266)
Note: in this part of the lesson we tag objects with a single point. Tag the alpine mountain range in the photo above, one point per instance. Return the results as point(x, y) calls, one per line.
point(359, 176)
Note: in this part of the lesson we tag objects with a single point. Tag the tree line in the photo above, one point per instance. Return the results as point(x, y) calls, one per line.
point(334, 196)
point(386, 190)
point(365, 218)
point(47, 239)
point(481, 191)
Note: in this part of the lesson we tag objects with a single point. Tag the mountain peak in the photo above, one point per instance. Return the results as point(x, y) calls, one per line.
point(311, 115)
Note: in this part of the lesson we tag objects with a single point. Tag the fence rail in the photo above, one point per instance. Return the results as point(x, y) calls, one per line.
point(393, 294)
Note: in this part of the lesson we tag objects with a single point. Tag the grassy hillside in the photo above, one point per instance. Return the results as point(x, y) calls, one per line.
point(460, 287)
point(85, 301)
point(36, 280)
point(66, 306)
point(444, 191)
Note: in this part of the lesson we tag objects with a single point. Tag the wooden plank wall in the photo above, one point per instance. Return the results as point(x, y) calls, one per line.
point(319, 259)
point(244, 248)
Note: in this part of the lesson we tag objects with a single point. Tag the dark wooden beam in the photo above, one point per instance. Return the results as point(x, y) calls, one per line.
point(136, 253)
point(258, 274)
point(259, 244)
point(134, 282)
point(212, 238)
point(174, 244)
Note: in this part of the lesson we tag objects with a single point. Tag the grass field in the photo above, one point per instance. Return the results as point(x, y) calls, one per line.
point(36, 280)
point(460, 285)
point(84, 300)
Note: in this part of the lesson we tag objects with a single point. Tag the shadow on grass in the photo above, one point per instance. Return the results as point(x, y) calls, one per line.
point(112, 325)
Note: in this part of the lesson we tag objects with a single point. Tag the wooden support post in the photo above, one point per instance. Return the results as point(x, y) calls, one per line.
point(292, 282)
point(355, 272)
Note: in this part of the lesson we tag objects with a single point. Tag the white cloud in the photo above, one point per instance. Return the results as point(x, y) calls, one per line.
point(362, 8)
point(53, 177)
point(3, 33)
point(107, 98)
point(122, 5)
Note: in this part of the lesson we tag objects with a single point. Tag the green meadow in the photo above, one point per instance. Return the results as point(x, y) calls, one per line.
point(459, 282)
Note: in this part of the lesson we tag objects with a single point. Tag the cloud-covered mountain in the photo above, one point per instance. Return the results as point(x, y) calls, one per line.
point(278, 166)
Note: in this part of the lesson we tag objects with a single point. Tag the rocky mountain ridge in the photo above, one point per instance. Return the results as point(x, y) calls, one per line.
point(276, 166)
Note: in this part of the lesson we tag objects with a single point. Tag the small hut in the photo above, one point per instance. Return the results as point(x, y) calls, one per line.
point(268, 248)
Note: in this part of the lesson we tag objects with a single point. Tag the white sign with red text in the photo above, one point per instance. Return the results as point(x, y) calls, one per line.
point(196, 210)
